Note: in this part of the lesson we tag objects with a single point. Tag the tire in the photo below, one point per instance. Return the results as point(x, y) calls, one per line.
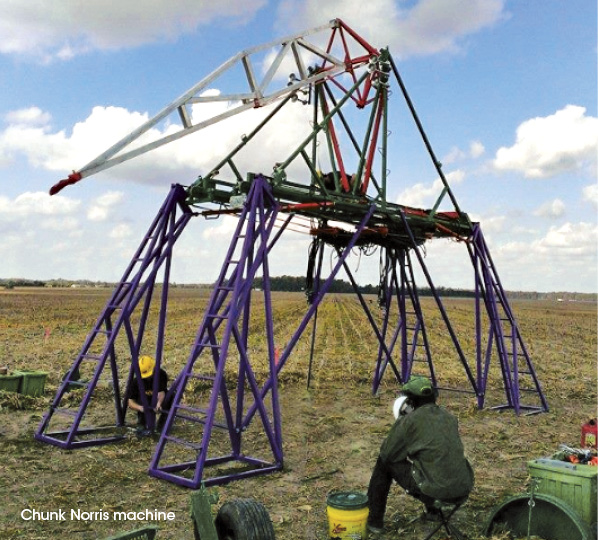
point(244, 519)
point(551, 519)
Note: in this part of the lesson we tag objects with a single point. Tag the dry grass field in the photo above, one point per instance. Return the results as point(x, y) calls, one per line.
point(331, 431)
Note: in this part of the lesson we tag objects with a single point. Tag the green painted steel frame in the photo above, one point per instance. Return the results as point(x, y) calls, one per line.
point(342, 202)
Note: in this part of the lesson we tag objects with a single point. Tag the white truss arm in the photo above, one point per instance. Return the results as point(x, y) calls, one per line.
point(257, 94)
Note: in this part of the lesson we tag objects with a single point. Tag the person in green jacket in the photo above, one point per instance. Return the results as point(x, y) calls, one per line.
point(423, 453)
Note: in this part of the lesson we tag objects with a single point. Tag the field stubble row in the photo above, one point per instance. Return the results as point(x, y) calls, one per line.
point(331, 432)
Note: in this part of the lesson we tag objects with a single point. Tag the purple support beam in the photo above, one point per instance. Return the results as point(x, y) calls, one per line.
point(225, 323)
point(136, 286)
point(518, 373)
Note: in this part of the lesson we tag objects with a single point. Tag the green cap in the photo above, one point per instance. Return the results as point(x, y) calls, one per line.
point(418, 386)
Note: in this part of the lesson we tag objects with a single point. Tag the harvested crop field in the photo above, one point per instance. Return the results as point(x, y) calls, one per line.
point(331, 431)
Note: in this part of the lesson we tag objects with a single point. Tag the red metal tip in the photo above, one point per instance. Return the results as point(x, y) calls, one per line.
point(72, 179)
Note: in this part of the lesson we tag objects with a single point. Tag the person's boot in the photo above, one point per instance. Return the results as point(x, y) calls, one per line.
point(432, 514)
point(374, 530)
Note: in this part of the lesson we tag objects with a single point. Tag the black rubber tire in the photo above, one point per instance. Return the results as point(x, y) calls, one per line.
point(244, 519)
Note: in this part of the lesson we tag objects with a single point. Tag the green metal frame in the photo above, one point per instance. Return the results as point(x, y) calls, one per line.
point(313, 198)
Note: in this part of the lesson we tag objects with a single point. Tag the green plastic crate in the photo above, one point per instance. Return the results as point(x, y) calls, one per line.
point(147, 533)
point(10, 383)
point(572, 483)
point(33, 382)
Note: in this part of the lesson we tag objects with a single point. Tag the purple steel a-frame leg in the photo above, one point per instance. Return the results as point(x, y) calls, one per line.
point(503, 331)
point(226, 323)
point(120, 313)
point(190, 430)
point(410, 324)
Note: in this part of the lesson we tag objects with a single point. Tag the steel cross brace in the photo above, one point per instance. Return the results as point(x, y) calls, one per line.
point(503, 333)
point(235, 285)
point(154, 253)
point(410, 321)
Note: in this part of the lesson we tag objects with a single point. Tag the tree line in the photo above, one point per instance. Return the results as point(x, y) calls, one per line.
point(298, 284)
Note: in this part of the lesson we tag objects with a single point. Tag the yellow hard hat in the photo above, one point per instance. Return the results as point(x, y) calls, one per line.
point(146, 366)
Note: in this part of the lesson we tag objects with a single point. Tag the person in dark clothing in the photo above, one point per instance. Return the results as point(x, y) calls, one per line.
point(422, 452)
point(147, 368)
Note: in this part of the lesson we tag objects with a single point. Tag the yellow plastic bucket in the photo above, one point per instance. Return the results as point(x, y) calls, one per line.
point(347, 515)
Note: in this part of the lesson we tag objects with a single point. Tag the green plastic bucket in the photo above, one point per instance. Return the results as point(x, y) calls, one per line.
point(33, 382)
point(347, 515)
point(10, 383)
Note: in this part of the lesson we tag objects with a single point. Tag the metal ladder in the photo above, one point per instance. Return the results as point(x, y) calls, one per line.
point(518, 373)
point(225, 324)
point(414, 329)
point(99, 352)
point(410, 326)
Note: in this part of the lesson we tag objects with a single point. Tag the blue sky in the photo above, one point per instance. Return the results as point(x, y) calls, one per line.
point(506, 91)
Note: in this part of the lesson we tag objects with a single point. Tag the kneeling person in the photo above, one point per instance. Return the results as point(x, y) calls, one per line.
point(422, 452)
point(147, 368)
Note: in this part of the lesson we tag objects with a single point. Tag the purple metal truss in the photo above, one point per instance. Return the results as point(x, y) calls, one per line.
point(518, 373)
point(126, 311)
point(503, 338)
point(226, 323)
point(224, 333)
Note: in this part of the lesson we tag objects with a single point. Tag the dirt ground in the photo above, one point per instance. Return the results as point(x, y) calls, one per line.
point(331, 432)
point(331, 440)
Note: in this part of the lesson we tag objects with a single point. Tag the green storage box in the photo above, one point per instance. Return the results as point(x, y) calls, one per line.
point(572, 483)
point(33, 382)
point(10, 383)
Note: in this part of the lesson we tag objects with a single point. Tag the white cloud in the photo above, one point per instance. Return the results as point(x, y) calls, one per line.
point(49, 30)
point(32, 116)
point(68, 223)
point(196, 153)
point(97, 213)
point(551, 209)
point(223, 230)
point(590, 193)
point(566, 256)
point(424, 195)
point(476, 149)
point(101, 208)
point(547, 146)
point(570, 239)
point(36, 203)
point(492, 224)
point(110, 198)
point(426, 27)
point(569, 245)
point(121, 231)
point(455, 154)
point(36, 142)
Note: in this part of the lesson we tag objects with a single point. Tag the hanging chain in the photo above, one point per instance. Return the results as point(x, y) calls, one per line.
point(531, 503)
